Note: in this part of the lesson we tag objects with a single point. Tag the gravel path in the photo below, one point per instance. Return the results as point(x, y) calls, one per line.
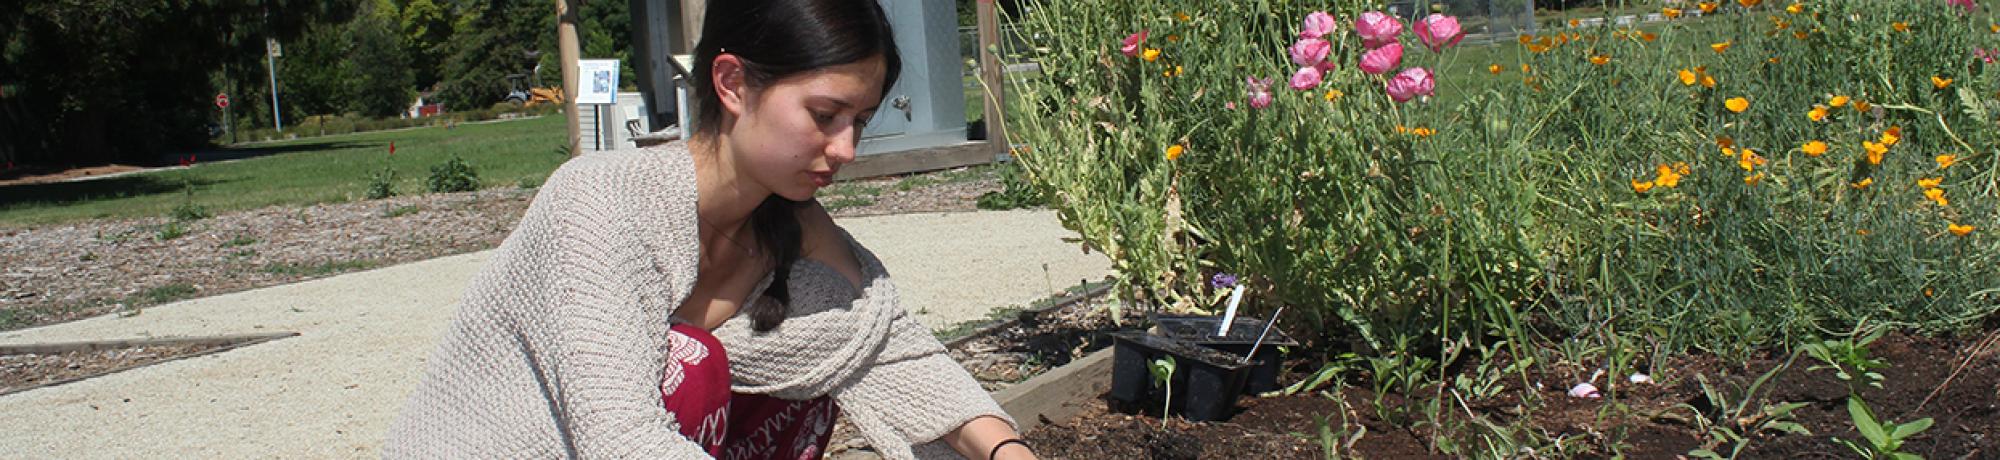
point(331, 391)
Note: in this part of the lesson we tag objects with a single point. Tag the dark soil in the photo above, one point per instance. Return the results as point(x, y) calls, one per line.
point(1954, 381)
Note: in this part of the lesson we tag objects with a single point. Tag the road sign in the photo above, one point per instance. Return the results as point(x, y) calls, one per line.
point(221, 101)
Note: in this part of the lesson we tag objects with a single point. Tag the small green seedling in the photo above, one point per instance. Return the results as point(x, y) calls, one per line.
point(1884, 439)
point(1849, 358)
point(1163, 372)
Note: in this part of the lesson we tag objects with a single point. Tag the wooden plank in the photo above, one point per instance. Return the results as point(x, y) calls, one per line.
point(918, 160)
point(99, 345)
point(1058, 394)
point(990, 74)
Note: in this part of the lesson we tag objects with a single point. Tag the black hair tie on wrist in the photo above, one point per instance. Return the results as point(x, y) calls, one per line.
point(996, 447)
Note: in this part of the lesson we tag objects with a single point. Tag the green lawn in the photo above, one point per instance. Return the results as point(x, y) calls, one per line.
point(302, 172)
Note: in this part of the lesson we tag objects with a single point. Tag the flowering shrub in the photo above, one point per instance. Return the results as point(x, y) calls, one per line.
point(1761, 172)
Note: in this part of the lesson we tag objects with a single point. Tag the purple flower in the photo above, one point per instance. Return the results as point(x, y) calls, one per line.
point(1310, 51)
point(1222, 281)
point(1259, 92)
point(1316, 25)
point(1412, 82)
point(1306, 78)
point(1376, 28)
point(1439, 31)
point(1379, 60)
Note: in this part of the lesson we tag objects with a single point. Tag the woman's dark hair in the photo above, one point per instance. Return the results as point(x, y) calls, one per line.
point(775, 39)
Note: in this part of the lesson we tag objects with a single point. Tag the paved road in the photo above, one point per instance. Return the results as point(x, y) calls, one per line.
point(331, 391)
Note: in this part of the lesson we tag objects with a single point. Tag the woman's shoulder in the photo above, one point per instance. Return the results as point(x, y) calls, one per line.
point(668, 163)
point(825, 242)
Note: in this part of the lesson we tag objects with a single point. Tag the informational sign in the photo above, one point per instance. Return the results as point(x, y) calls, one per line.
point(597, 81)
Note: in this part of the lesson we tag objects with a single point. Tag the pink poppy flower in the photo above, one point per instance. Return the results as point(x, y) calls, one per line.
point(1310, 51)
point(1438, 31)
point(1412, 82)
point(1316, 25)
point(1967, 4)
point(1306, 78)
point(1379, 60)
point(1985, 55)
point(1377, 29)
point(1259, 92)
point(1132, 42)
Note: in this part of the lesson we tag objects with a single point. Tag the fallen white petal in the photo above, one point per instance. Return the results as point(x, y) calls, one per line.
point(1640, 378)
point(1584, 390)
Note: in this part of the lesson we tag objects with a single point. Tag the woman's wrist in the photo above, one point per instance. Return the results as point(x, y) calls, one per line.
point(1010, 448)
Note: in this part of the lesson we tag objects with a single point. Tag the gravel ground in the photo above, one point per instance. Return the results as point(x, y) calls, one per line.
point(330, 391)
point(60, 273)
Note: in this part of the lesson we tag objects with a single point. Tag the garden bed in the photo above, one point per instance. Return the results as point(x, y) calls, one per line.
point(31, 366)
point(1955, 382)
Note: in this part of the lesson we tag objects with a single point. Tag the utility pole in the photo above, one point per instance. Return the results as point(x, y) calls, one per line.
point(271, 53)
point(566, 48)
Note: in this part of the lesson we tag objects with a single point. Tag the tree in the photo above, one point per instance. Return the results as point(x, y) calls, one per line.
point(93, 81)
point(385, 80)
point(427, 34)
point(499, 38)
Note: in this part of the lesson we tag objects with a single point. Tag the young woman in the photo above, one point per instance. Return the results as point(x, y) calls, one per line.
point(691, 300)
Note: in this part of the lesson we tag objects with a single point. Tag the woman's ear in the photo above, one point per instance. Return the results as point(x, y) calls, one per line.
point(730, 87)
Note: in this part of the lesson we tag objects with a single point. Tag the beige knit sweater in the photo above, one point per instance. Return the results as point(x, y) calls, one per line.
point(560, 343)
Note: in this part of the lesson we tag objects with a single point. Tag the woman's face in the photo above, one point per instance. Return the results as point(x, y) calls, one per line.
point(793, 134)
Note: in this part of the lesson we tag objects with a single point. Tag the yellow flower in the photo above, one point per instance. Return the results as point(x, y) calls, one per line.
point(1151, 54)
point(1960, 230)
point(1750, 160)
point(1687, 77)
point(1940, 82)
point(1861, 231)
point(1861, 106)
point(1175, 72)
point(1719, 47)
point(1724, 142)
point(1749, 3)
point(1946, 160)
point(1728, 152)
point(1737, 104)
point(1667, 177)
point(1706, 7)
point(1648, 36)
point(1333, 95)
point(1183, 17)
point(1900, 26)
point(1423, 132)
point(1772, 60)
point(1575, 23)
point(1707, 81)
point(1600, 59)
point(1995, 28)
point(1929, 182)
point(1753, 179)
point(1818, 113)
point(1525, 39)
point(1937, 195)
point(1813, 148)
point(1837, 101)
point(1174, 152)
point(1875, 151)
point(1892, 136)
point(1672, 13)
point(1173, 38)
point(1800, 34)
point(1795, 8)
point(1494, 69)
point(1865, 182)
point(1642, 187)
point(1526, 69)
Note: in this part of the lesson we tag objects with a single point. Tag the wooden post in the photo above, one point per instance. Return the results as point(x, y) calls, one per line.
point(693, 12)
point(566, 48)
point(990, 74)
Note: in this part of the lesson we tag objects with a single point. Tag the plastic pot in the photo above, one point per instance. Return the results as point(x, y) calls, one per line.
point(1206, 382)
point(1200, 330)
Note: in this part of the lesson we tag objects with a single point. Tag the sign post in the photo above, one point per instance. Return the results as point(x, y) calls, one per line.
point(222, 103)
point(597, 86)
